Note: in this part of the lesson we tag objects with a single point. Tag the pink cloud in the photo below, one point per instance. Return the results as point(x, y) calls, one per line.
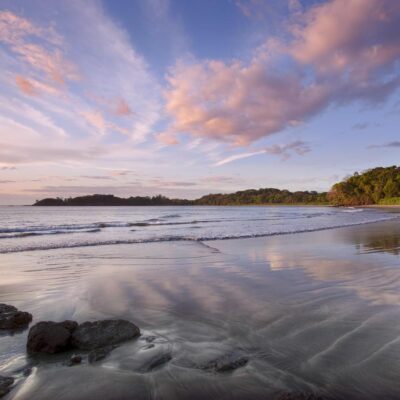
point(122, 108)
point(357, 36)
point(25, 85)
point(32, 87)
point(14, 28)
point(95, 119)
point(167, 138)
point(236, 102)
point(20, 35)
point(52, 64)
point(339, 51)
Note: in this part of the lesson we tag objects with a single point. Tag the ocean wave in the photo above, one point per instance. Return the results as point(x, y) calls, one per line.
point(65, 227)
point(50, 229)
point(185, 238)
point(43, 233)
point(171, 216)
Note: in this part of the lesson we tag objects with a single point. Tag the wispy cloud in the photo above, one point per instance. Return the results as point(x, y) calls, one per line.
point(98, 177)
point(284, 151)
point(54, 77)
point(360, 126)
point(394, 144)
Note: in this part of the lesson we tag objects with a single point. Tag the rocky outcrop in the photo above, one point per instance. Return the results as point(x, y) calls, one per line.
point(5, 385)
point(11, 318)
point(55, 337)
point(97, 334)
point(50, 337)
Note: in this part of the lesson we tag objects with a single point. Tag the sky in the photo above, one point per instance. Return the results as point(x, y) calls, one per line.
point(184, 98)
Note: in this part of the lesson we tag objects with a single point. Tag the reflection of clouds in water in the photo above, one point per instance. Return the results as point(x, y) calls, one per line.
point(307, 309)
point(387, 243)
point(330, 256)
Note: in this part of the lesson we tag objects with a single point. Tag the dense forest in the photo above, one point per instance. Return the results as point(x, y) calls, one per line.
point(263, 196)
point(111, 200)
point(374, 186)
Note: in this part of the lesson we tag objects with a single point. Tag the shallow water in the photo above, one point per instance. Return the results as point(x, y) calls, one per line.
point(38, 228)
point(312, 311)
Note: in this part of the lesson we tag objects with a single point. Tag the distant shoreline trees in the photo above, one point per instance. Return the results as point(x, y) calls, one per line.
point(374, 186)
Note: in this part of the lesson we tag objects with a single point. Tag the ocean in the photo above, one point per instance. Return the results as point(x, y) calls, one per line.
point(41, 228)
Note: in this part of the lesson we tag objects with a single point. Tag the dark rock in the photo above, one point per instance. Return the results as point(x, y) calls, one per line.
point(5, 383)
point(298, 396)
point(11, 318)
point(50, 337)
point(156, 362)
point(227, 363)
point(74, 360)
point(100, 354)
point(94, 335)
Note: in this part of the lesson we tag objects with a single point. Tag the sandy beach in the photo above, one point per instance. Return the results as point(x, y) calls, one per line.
point(310, 312)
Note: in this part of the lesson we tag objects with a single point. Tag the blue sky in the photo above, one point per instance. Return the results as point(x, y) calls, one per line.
point(185, 98)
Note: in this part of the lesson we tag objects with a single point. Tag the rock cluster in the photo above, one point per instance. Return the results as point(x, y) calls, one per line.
point(55, 337)
point(5, 383)
point(50, 337)
point(93, 335)
point(12, 319)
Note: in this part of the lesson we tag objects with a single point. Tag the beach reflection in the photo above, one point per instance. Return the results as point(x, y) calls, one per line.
point(316, 311)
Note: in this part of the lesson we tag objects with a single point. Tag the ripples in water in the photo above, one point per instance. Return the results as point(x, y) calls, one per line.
point(307, 312)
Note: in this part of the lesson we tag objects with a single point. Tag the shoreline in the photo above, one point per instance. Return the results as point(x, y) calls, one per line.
point(196, 240)
point(394, 206)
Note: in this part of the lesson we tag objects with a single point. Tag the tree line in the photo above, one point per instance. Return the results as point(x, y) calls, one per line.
point(374, 186)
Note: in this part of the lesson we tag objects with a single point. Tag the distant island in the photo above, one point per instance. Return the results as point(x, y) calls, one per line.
point(374, 186)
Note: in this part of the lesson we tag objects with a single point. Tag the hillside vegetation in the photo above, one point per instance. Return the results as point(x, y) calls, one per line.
point(263, 196)
point(374, 186)
point(246, 197)
point(111, 200)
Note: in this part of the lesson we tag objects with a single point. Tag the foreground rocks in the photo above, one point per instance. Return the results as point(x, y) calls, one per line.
point(50, 337)
point(5, 384)
point(94, 335)
point(55, 337)
point(11, 318)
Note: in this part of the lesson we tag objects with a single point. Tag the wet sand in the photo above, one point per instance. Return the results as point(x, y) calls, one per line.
point(313, 312)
